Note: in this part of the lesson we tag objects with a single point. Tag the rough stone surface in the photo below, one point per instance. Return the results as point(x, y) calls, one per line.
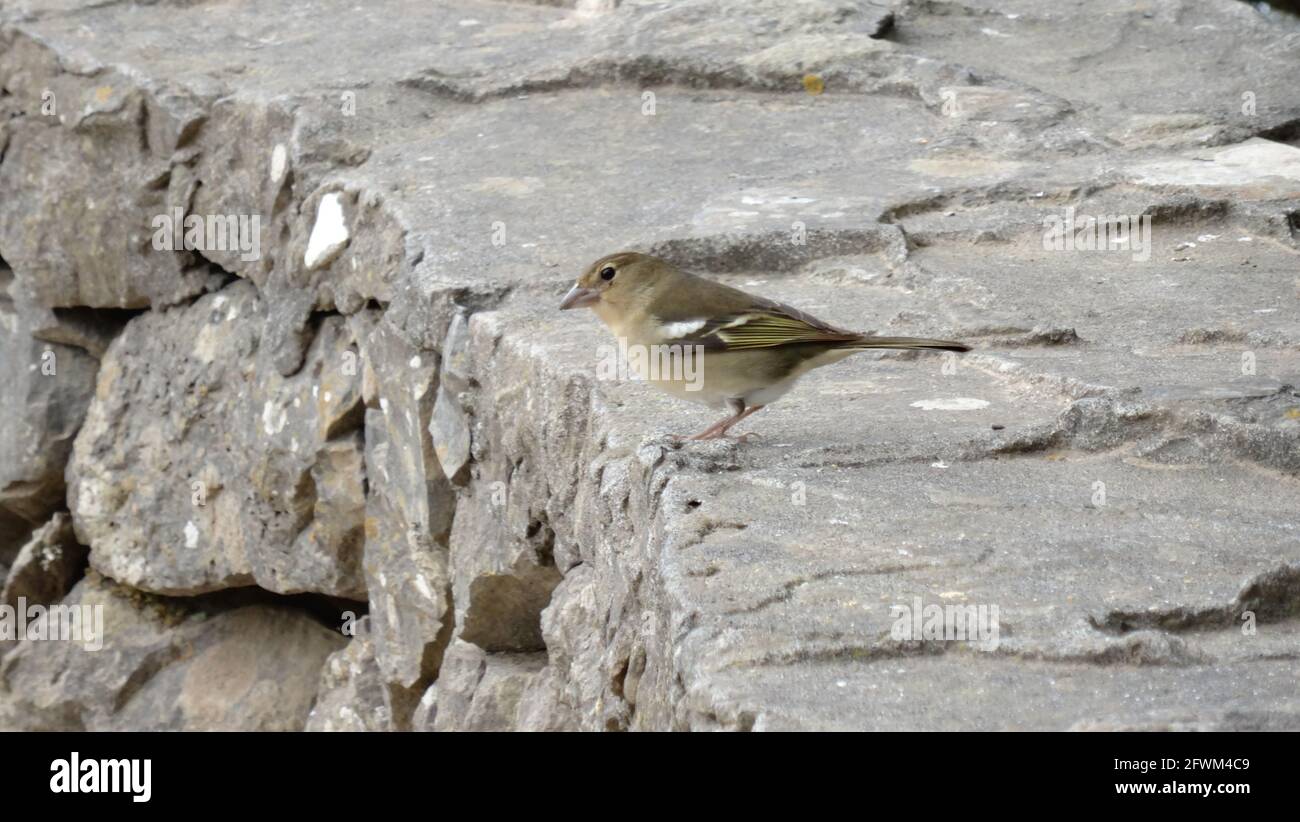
point(47, 567)
point(237, 475)
point(478, 691)
point(46, 387)
point(503, 569)
point(168, 665)
point(354, 694)
point(450, 424)
point(1114, 467)
point(408, 512)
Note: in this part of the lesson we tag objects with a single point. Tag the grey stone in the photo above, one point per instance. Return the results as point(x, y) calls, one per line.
point(426, 710)
point(697, 42)
point(46, 388)
point(47, 567)
point(354, 695)
point(450, 424)
point(168, 665)
point(503, 568)
point(407, 576)
point(408, 512)
point(236, 475)
point(90, 243)
point(1113, 467)
point(89, 329)
point(478, 691)
point(449, 428)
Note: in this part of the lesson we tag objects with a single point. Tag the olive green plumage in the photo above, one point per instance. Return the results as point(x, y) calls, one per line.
point(752, 349)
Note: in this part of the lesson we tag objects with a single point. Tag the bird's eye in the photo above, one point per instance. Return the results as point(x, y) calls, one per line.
point(607, 273)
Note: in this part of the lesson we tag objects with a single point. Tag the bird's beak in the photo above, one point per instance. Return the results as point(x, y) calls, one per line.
point(579, 297)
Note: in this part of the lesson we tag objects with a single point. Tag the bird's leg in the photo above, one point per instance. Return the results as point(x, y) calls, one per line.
point(738, 418)
point(737, 408)
point(719, 429)
point(707, 434)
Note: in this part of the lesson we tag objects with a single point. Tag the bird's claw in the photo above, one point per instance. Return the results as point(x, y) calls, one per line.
point(706, 435)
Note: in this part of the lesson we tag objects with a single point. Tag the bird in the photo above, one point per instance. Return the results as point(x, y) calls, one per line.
point(750, 350)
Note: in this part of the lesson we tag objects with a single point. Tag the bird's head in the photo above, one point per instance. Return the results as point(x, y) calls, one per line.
point(616, 281)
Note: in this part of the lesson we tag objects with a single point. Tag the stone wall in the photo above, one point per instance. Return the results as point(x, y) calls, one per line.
point(359, 474)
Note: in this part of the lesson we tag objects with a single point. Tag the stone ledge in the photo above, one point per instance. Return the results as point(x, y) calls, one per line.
point(532, 550)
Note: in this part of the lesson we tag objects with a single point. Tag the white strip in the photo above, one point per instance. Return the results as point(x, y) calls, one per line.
point(951, 404)
point(675, 331)
point(329, 236)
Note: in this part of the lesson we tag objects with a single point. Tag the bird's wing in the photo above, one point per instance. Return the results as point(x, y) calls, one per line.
point(763, 324)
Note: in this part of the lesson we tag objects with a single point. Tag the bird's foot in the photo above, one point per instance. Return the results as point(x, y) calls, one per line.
point(718, 431)
point(714, 435)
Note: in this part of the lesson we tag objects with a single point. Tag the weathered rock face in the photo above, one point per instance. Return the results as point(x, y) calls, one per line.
point(168, 665)
point(47, 567)
point(408, 512)
point(503, 569)
point(477, 691)
point(76, 226)
point(46, 389)
point(381, 403)
point(355, 695)
point(237, 475)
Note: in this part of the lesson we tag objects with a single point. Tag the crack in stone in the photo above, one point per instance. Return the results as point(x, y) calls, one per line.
point(710, 528)
point(1272, 596)
point(789, 588)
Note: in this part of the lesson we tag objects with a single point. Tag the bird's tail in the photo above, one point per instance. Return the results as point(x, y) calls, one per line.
point(909, 343)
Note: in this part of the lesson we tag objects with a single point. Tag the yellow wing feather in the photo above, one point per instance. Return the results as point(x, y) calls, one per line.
point(766, 330)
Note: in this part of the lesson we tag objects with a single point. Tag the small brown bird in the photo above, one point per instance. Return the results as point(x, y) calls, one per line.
point(745, 351)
